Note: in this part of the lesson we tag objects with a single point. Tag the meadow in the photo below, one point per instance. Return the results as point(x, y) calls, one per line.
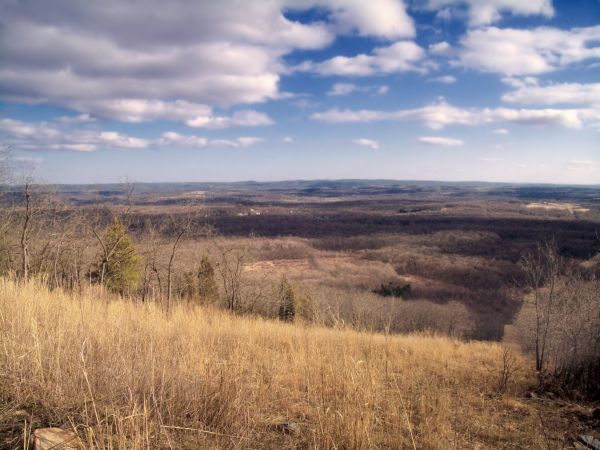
point(125, 375)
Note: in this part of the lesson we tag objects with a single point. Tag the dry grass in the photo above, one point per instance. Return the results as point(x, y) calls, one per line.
point(126, 376)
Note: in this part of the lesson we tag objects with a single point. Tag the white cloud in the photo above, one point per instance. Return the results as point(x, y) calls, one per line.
point(45, 136)
point(502, 131)
point(383, 18)
point(246, 118)
point(483, 12)
point(342, 89)
point(142, 110)
point(287, 140)
point(176, 139)
point(520, 52)
point(80, 118)
point(440, 141)
point(441, 114)
point(440, 48)
point(235, 143)
point(446, 79)
point(434, 116)
point(137, 62)
point(517, 83)
point(367, 143)
point(339, 89)
point(445, 14)
point(569, 118)
point(173, 139)
point(401, 56)
point(118, 140)
point(18, 129)
point(247, 141)
point(561, 93)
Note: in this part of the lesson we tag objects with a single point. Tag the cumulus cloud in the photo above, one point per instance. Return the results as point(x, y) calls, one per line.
point(440, 48)
point(54, 136)
point(140, 61)
point(118, 140)
point(512, 52)
point(560, 93)
point(434, 116)
point(288, 140)
point(445, 79)
point(173, 139)
point(400, 56)
point(440, 141)
point(342, 89)
point(142, 110)
point(19, 129)
point(442, 114)
point(80, 118)
point(246, 118)
point(384, 18)
point(240, 142)
point(339, 89)
point(502, 131)
point(480, 12)
point(367, 143)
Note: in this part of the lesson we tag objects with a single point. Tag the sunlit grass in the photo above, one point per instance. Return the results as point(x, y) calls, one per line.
point(125, 375)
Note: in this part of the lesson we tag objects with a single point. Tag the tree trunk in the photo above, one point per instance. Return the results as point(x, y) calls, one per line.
point(25, 235)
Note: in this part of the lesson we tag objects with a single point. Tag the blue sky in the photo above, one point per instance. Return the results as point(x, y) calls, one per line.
point(491, 90)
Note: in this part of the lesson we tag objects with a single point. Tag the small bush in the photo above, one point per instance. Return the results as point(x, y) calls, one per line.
point(393, 290)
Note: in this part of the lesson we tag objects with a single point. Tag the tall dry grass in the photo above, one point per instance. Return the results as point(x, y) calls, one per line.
point(124, 375)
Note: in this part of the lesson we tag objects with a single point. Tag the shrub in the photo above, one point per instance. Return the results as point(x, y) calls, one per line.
point(207, 286)
point(393, 290)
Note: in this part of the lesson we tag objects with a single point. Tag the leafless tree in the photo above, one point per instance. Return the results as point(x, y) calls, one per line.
point(180, 225)
point(542, 269)
point(230, 266)
point(26, 228)
point(6, 212)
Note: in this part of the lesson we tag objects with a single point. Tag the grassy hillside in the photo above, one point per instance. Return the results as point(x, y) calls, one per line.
point(124, 375)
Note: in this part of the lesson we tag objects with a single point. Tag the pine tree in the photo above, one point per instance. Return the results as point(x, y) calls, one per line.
point(287, 300)
point(207, 286)
point(120, 262)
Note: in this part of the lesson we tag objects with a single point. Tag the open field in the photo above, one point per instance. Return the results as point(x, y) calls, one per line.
point(124, 375)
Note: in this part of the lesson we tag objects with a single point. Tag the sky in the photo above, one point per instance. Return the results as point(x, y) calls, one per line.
point(231, 90)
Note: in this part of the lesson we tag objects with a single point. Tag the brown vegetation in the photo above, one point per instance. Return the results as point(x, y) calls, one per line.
point(125, 375)
point(193, 349)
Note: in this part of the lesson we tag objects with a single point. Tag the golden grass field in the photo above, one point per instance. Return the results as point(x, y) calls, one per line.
point(124, 375)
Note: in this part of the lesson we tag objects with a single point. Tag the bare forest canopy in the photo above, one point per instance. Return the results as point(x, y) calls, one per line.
point(455, 244)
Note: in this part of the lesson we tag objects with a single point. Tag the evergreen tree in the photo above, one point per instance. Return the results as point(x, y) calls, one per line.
point(287, 300)
point(120, 262)
point(207, 286)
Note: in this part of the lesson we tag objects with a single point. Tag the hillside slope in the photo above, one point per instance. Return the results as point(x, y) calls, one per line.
point(124, 375)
